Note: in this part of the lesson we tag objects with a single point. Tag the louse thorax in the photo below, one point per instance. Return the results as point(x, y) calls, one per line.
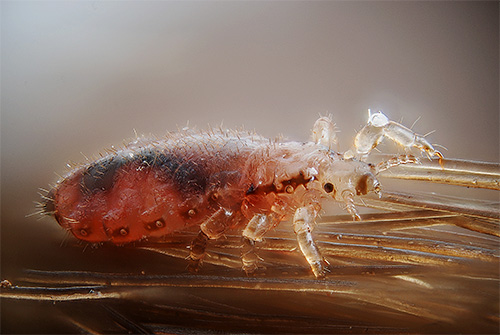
point(344, 178)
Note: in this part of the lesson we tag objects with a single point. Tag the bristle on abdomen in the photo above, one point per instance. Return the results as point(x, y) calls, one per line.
point(47, 204)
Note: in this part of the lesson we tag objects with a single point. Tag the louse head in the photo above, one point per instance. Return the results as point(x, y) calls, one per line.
point(344, 177)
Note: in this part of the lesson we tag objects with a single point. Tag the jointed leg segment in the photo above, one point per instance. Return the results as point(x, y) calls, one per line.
point(395, 161)
point(379, 126)
point(212, 228)
point(197, 251)
point(303, 222)
point(351, 208)
point(256, 228)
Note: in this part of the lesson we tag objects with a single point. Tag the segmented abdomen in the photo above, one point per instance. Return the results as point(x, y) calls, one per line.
point(153, 189)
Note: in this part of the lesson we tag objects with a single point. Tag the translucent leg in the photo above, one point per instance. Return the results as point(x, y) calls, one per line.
point(351, 208)
point(324, 132)
point(379, 126)
point(249, 257)
point(395, 161)
point(303, 222)
point(197, 252)
point(213, 228)
point(407, 138)
point(256, 228)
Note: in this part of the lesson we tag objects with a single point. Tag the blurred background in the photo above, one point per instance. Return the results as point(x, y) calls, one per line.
point(77, 77)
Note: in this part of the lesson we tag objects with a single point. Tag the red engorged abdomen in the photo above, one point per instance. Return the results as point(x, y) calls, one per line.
point(153, 190)
point(139, 204)
point(75, 211)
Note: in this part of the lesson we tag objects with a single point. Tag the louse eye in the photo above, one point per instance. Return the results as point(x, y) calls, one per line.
point(328, 187)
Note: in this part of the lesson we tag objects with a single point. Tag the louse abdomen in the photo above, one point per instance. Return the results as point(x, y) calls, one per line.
point(138, 194)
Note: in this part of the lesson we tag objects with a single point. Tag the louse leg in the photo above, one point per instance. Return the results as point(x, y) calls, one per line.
point(379, 126)
point(395, 161)
point(323, 132)
point(256, 228)
point(303, 222)
point(197, 252)
point(351, 208)
point(212, 228)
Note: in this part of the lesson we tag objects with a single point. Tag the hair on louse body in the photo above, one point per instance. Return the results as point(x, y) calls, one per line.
point(222, 179)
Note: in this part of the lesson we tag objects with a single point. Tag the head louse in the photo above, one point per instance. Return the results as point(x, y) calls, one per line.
point(215, 179)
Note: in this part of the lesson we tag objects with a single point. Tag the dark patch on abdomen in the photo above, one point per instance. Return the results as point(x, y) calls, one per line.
point(167, 163)
point(188, 175)
point(191, 177)
point(100, 175)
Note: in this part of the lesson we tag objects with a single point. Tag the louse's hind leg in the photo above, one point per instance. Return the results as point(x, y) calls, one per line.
point(303, 223)
point(379, 126)
point(212, 228)
point(197, 252)
point(256, 228)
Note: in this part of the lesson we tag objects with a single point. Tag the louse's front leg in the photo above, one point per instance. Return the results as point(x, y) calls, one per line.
point(395, 161)
point(379, 126)
point(350, 207)
point(256, 228)
point(303, 223)
point(213, 228)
